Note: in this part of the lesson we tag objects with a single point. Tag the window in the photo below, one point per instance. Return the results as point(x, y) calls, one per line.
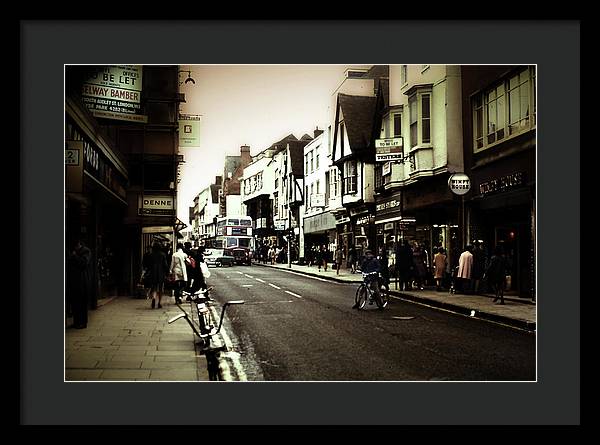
point(312, 167)
point(318, 186)
point(334, 178)
point(350, 177)
point(275, 205)
point(329, 139)
point(425, 119)
point(419, 105)
point(317, 161)
point(412, 107)
point(306, 163)
point(403, 74)
point(505, 109)
point(397, 120)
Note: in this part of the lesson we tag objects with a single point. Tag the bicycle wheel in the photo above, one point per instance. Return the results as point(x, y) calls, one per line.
point(362, 295)
point(383, 299)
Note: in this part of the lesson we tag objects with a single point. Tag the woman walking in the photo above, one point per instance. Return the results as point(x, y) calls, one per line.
point(439, 263)
point(495, 274)
point(157, 271)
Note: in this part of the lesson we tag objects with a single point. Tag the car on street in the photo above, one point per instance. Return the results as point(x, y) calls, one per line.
point(218, 257)
point(241, 256)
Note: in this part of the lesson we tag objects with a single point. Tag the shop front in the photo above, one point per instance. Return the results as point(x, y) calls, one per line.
point(502, 213)
point(319, 230)
point(95, 200)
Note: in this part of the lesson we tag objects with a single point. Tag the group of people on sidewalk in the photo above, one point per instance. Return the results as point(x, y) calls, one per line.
point(184, 270)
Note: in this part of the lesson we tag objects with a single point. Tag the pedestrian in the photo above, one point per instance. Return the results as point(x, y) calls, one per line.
point(79, 283)
point(190, 264)
point(197, 279)
point(405, 265)
point(495, 274)
point(179, 270)
point(420, 266)
point(339, 256)
point(465, 269)
point(146, 265)
point(352, 258)
point(479, 263)
point(440, 262)
point(158, 267)
point(319, 257)
point(385, 270)
point(324, 256)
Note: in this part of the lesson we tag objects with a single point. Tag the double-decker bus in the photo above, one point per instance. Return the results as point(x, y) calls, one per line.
point(235, 234)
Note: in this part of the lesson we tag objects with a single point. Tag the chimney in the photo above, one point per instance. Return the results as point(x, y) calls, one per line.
point(317, 132)
point(245, 155)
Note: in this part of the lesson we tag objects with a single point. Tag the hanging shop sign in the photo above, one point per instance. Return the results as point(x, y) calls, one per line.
point(386, 168)
point(189, 130)
point(459, 183)
point(114, 92)
point(73, 166)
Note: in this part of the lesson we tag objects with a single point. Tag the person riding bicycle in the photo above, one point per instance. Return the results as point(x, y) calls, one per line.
point(371, 265)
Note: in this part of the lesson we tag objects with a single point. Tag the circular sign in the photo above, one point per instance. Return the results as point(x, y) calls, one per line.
point(459, 183)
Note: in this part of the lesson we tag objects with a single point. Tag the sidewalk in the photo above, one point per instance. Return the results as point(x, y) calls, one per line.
point(516, 312)
point(127, 340)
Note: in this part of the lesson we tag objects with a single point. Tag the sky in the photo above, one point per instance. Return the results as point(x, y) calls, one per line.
point(253, 105)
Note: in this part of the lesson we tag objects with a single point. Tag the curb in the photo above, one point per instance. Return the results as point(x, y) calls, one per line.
point(474, 313)
point(517, 323)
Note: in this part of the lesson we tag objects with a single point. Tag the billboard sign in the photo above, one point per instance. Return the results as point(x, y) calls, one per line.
point(388, 149)
point(114, 92)
point(189, 130)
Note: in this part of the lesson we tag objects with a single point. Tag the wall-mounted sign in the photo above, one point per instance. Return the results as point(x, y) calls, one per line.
point(318, 200)
point(161, 205)
point(459, 183)
point(502, 184)
point(114, 92)
point(74, 168)
point(389, 149)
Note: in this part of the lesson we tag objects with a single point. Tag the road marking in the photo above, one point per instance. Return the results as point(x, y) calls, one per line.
point(272, 285)
point(291, 293)
point(249, 276)
point(258, 279)
point(241, 273)
point(247, 285)
point(224, 368)
point(315, 278)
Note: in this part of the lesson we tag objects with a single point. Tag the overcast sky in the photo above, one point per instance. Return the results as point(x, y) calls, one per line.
point(253, 105)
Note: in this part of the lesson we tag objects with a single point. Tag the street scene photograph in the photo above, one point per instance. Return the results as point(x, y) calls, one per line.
point(300, 223)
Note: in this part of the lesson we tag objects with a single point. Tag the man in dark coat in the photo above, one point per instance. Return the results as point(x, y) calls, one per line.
point(405, 265)
point(79, 283)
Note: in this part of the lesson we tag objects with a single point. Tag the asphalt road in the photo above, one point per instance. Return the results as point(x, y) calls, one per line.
point(297, 328)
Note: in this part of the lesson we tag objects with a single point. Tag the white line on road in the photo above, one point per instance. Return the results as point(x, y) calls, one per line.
point(258, 279)
point(272, 285)
point(315, 278)
point(237, 366)
point(291, 293)
point(241, 273)
point(249, 276)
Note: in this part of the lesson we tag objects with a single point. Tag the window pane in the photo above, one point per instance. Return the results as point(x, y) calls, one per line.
point(426, 130)
point(524, 99)
point(425, 105)
point(492, 119)
point(513, 107)
point(397, 125)
point(413, 110)
point(514, 81)
point(478, 123)
point(501, 112)
point(413, 134)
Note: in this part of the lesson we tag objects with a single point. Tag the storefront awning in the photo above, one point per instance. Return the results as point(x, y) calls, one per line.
point(319, 223)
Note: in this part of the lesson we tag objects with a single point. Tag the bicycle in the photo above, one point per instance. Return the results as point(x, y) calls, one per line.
point(204, 326)
point(366, 293)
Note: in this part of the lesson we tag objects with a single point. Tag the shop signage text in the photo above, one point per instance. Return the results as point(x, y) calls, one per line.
point(392, 204)
point(459, 183)
point(389, 149)
point(156, 205)
point(501, 184)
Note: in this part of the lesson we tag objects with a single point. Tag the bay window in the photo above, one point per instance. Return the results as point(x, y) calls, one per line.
point(350, 177)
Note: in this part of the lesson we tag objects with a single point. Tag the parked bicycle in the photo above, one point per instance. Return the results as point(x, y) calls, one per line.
point(201, 319)
point(365, 292)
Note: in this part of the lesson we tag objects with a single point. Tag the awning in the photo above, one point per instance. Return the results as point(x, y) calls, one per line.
point(319, 223)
